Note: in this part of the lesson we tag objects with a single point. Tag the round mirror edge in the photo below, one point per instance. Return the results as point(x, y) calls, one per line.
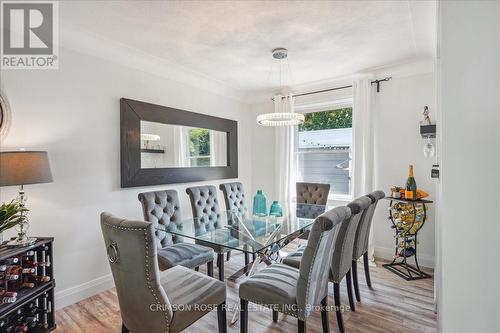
point(5, 115)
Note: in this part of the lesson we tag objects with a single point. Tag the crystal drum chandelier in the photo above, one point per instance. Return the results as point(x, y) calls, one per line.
point(283, 114)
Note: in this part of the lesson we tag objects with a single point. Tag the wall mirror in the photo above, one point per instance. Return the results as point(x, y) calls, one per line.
point(163, 145)
point(177, 146)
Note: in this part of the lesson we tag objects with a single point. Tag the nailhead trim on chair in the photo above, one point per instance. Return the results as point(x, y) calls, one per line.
point(148, 277)
point(310, 271)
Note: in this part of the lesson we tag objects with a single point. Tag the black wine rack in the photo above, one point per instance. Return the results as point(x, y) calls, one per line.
point(27, 299)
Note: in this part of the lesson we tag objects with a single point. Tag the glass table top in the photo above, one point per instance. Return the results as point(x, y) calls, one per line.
point(242, 231)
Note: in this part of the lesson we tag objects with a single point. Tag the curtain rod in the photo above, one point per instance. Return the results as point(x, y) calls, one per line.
point(377, 82)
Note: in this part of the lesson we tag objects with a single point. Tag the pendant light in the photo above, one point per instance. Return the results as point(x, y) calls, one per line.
point(283, 114)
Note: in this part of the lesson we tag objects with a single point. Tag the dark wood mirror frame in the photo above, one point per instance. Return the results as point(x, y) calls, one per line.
point(131, 114)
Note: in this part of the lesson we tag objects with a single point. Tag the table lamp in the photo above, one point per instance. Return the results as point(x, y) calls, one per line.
point(24, 168)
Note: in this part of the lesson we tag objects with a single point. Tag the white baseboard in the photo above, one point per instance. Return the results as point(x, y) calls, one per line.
point(387, 253)
point(77, 293)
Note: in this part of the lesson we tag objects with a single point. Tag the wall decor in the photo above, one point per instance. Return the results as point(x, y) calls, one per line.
point(187, 146)
point(5, 116)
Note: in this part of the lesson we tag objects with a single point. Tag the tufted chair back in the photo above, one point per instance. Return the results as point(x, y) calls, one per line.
point(312, 285)
point(363, 232)
point(162, 207)
point(234, 196)
point(134, 265)
point(205, 206)
point(343, 246)
point(312, 193)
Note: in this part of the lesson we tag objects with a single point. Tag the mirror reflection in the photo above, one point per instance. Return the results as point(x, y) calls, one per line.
point(176, 146)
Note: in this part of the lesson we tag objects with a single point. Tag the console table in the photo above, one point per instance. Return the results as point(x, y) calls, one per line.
point(27, 288)
point(407, 218)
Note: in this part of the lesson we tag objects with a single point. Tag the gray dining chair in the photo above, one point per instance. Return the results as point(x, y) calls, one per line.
point(361, 242)
point(234, 198)
point(148, 303)
point(208, 216)
point(312, 193)
point(163, 208)
point(296, 291)
point(342, 255)
point(309, 194)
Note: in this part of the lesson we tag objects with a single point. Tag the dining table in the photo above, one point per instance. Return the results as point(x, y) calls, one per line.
point(240, 230)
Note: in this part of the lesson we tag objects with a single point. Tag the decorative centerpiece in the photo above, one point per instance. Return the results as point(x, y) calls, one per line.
point(276, 209)
point(259, 204)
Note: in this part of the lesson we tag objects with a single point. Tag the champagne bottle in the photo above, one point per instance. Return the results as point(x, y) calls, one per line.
point(411, 186)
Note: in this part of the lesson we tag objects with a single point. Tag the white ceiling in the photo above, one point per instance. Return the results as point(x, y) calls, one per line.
point(231, 41)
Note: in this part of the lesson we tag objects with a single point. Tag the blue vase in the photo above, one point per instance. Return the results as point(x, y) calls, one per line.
point(259, 204)
point(276, 209)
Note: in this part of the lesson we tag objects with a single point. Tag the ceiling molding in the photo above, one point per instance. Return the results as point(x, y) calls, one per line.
point(411, 67)
point(82, 41)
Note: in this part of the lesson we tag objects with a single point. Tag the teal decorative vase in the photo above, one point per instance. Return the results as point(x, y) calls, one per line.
point(259, 204)
point(276, 209)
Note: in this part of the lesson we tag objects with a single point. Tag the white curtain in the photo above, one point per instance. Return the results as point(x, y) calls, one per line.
point(218, 148)
point(180, 147)
point(286, 161)
point(363, 144)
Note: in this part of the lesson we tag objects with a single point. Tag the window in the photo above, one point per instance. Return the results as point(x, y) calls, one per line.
point(199, 147)
point(324, 150)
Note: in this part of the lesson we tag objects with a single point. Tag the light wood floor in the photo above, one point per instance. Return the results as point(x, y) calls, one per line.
point(393, 305)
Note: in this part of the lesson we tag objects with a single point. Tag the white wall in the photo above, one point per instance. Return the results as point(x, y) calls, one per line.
point(74, 114)
point(469, 228)
point(397, 112)
point(263, 153)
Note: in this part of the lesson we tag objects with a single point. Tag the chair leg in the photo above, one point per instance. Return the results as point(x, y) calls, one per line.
point(254, 256)
point(367, 270)
point(221, 317)
point(354, 270)
point(220, 259)
point(243, 316)
point(125, 329)
point(349, 291)
point(275, 316)
point(210, 268)
point(324, 315)
point(247, 261)
point(228, 255)
point(301, 326)
point(338, 313)
point(197, 268)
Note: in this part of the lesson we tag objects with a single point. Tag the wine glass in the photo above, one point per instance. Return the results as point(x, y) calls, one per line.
point(429, 149)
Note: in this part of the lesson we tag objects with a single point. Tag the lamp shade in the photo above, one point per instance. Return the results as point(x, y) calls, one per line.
point(24, 167)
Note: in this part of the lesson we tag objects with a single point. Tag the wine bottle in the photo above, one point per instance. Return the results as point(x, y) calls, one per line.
point(11, 261)
point(411, 186)
point(22, 328)
point(5, 300)
point(37, 278)
point(30, 263)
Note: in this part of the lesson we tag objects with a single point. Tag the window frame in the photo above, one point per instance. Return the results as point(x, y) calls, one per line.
point(188, 155)
point(305, 108)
